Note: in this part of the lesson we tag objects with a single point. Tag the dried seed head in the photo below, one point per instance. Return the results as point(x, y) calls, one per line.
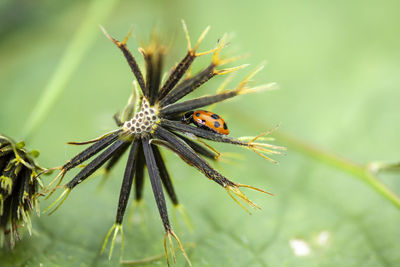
point(152, 118)
point(18, 188)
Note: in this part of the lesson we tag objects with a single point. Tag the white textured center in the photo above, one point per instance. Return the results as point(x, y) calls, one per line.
point(143, 121)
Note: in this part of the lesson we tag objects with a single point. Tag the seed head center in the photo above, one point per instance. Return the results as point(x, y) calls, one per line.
point(144, 120)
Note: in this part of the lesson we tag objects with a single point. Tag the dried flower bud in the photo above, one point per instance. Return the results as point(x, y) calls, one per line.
point(18, 188)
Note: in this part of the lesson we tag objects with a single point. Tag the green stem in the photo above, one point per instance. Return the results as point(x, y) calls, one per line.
point(73, 55)
point(338, 162)
point(331, 159)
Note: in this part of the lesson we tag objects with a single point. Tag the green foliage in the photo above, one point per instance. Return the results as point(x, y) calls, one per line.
point(337, 67)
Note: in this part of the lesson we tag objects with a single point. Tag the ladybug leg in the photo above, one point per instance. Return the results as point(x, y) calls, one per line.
point(187, 117)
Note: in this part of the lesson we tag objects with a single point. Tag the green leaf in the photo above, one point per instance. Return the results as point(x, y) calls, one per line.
point(336, 64)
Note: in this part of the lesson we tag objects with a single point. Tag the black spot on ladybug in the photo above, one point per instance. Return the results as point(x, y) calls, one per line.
point(225, 127)
point(216, 124)
point(215, 116)
point(203, 121)
point(197, 114)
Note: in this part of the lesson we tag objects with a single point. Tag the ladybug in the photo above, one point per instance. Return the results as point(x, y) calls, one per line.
point(206, 120)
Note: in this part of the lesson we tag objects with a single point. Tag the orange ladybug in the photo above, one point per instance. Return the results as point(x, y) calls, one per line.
point(206, 120)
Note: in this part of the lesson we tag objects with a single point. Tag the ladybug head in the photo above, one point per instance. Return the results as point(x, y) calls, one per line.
point(188, 117)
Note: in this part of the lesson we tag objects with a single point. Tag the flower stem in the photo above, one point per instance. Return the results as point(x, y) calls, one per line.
point(357, 170)
point(73, 55)
point(363, 172)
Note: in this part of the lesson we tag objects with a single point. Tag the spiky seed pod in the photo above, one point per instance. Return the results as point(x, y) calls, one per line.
point(19, 186)
point(152, 119)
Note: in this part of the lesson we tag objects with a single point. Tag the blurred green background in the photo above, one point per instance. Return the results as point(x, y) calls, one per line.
point(337, 66)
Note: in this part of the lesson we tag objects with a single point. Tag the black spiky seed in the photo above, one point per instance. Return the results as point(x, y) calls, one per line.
point(225, 127)
point(216, 124)
point(215, 116)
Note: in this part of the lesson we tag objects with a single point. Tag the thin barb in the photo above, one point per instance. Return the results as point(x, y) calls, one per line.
point(60, 200)
point(234, 199)
point(60, 178)
point(93, 140)
point(187, 36)
point(265, 133)
point(216, 56)
point(263, 149)
point(171, 245)
point(116, 228)
point(168, 236)
point(258, 89)
point(127, 36)
point(217, 153)
point(202, 36)
point(242, 89)
point(189, 43)
point(230, 70)
point(225, 83)
point(45, 171)
point(235, 190)
point(254, 188)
